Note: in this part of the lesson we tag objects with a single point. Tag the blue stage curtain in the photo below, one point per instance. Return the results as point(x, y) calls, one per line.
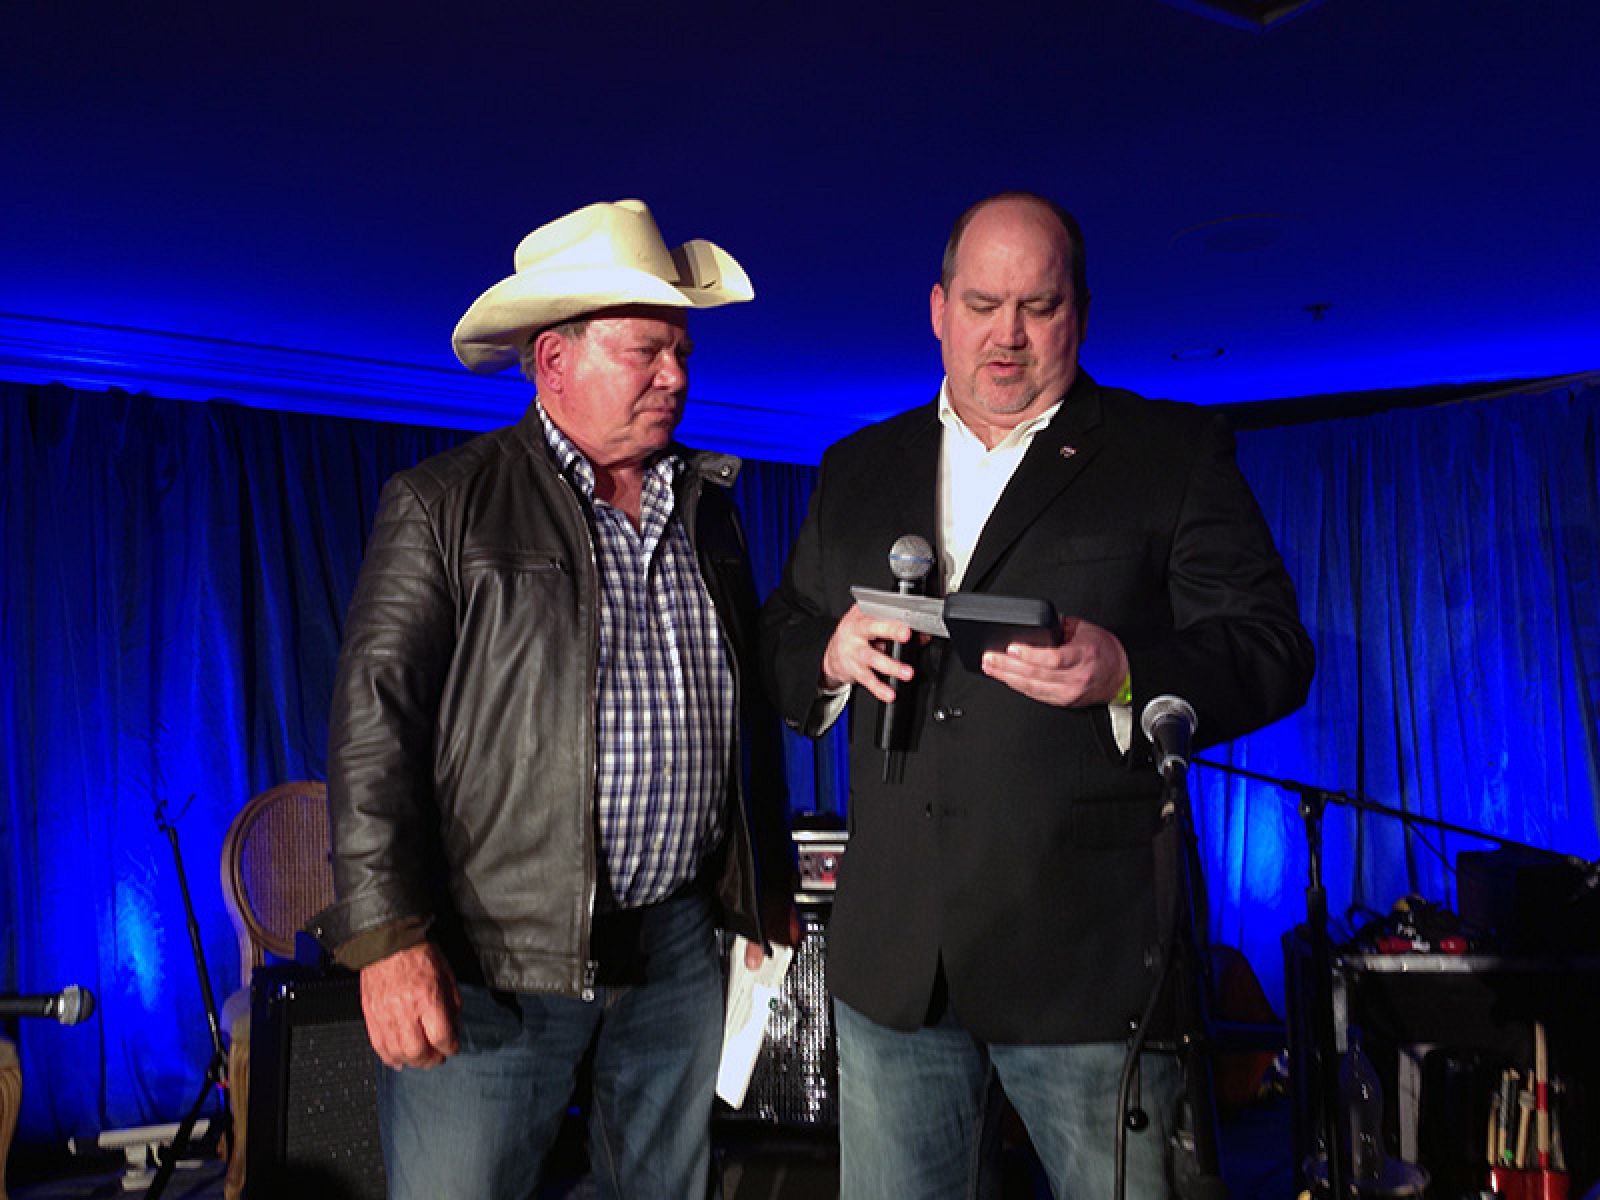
point(1448, 567)
point(772, 500)
point(173, 583)
point(172, 591)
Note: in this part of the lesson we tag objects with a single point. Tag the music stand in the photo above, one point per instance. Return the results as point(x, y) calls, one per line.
point(217, 1070)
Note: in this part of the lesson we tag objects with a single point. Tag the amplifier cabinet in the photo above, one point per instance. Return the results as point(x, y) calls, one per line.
point(795, 1083)
point(313, 1116)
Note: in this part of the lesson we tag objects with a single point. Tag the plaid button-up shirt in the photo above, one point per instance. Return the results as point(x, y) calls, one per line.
point(664, 707)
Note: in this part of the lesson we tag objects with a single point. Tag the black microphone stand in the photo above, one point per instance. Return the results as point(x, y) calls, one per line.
point(1178, 875)
point(1312, 802)
point(217, 1069)
point(1183, 957)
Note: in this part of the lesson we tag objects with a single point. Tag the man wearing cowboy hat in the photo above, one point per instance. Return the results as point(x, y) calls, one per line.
point(544, 697)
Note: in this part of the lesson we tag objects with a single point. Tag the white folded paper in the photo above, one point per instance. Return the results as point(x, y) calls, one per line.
point(751, 996)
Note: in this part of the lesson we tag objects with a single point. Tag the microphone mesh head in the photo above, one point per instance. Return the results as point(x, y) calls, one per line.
point(1163, 707)
point(910, 558)
point(77, 1004)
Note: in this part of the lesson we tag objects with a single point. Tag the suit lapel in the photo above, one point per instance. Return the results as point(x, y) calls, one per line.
point(1055, 458)
point(908, 485)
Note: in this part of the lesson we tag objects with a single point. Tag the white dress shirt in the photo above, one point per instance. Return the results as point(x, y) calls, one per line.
point(971, 478)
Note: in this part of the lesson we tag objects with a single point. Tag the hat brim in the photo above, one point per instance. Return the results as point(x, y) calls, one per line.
point(490, 336)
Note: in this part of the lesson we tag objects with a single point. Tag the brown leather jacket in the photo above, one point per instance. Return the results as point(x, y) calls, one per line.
point(462, 744)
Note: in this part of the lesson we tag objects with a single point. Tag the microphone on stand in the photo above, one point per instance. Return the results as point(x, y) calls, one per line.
point(69, 1006)
point(1169, 722)
point(910, 560)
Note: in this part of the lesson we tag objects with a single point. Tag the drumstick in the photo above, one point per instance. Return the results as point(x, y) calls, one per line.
point(1541, 1098)
point(1505, 1150)
point(1492, 1143)
point(1524, 1119)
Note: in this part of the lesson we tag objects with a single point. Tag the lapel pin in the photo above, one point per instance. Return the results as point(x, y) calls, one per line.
point(1068, 451)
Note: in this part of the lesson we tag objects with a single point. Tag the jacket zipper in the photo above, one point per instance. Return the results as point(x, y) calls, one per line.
point(736, 809)
point(590, 866)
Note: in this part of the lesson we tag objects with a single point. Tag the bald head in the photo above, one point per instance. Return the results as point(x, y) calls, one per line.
point(1062, 218)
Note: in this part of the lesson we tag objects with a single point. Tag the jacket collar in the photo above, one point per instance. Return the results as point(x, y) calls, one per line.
point(907, 477)
point(1056, 457)
point(709, 465)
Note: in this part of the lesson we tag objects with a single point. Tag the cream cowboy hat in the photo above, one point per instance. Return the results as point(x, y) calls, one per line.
point(599, 256)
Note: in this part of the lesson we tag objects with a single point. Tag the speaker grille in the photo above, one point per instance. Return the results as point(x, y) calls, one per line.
point(330, 1125)
point(796, 1078)
point(314, 1125)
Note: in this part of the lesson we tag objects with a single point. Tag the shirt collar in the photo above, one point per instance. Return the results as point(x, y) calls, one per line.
point(1021, 435)
point(573, 463)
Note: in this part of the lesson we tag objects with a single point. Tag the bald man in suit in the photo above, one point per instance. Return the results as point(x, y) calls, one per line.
point(996, 908)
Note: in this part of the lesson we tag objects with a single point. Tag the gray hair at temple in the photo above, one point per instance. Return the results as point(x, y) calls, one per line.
point(571, 330)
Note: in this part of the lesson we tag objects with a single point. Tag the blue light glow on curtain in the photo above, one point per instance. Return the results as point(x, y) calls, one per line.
point(172, 588)
point(1448, 567)
point(173, 578)
point(772, 500)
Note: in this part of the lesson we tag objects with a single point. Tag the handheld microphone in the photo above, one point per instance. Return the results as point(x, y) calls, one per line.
point(1169, 722)
point(69, 1006)
point(910, 560)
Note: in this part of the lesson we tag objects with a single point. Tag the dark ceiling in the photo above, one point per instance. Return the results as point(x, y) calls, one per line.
point(1369, 195)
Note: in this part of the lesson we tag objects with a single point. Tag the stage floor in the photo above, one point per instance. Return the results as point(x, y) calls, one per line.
point(1255, 1150)
point(205, 1183)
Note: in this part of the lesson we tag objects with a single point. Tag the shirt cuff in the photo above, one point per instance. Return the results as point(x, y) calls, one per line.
point(1121, 725)
point(825, 709)
point(368, 946)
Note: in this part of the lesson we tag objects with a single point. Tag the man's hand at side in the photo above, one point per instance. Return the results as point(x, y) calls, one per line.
point(1086, 669)
point(411, 1003)
point(781, 924)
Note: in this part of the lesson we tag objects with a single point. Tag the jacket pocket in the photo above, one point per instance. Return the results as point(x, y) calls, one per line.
point(495, 558)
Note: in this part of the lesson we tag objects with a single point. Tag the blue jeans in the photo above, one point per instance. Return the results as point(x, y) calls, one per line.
point(911, 1108)
point(479, 1126)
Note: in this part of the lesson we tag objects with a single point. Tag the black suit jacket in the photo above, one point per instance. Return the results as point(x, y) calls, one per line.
point(1016, 847)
